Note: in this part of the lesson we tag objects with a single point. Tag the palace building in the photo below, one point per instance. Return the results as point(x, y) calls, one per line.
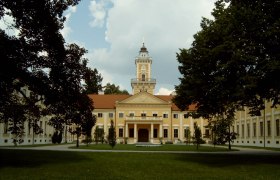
point(143, 116)
point(261, 130)
point(146, 117)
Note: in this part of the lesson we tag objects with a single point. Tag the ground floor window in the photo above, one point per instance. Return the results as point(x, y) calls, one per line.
point(131, 132)
point(175, 133)
point(242, 130)
point(261, 128)
point(254, 129)
point(187, 132)
point(277, 128)
point(121, 132)
point(237, 129)
point(155, 133)
point(248, 130)
point(5, 128)
point(165, 133)
point(268, 128)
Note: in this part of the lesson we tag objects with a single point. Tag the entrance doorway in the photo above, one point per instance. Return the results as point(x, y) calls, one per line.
point(143, 135)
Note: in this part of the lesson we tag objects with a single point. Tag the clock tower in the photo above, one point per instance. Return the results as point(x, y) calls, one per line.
point(143, 80)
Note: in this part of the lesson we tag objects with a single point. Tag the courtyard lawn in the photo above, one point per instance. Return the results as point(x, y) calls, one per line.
point(31, 164)
point(164, 147)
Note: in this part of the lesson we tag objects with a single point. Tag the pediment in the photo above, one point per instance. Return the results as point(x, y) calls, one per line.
point(143, 98)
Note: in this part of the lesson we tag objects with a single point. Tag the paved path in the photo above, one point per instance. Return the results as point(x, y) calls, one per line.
point(65, 147)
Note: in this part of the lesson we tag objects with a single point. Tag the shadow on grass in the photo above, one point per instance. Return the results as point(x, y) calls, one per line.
point(227, 160)
point(35, 158)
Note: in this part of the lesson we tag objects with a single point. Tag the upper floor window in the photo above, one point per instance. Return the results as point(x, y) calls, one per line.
point(175, 116)
point(120, 115)
point(131, 114)
point(185, 116)
point(111, 115)
point(99, 115)
point(143, 114)
point(165, 115)
point(154, 114)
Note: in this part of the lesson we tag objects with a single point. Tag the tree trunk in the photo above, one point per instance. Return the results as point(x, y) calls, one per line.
point(77, 143)
point(229, 138)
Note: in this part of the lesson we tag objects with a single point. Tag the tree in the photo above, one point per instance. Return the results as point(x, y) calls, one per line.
point(221, 131)
point(188, 136)
point(98, 135)
point(93, 81)
point(113, 89)
point(197, 136)
point(233, 60)
point(87, 129)
point(112, 135)
point(38, 58)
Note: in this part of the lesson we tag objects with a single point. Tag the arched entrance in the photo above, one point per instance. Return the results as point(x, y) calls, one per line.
point(143, 135)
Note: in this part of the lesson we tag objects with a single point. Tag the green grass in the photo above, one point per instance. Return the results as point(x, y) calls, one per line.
point(258, 147)
point(165, 147)
point(31, 164)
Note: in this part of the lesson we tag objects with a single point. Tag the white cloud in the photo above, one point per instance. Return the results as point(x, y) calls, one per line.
point(67, 29)
point(98, 12)
point(7, 24)
point(164, 91)
point(166, 26)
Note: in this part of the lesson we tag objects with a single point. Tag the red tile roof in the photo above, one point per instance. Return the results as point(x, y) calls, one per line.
point(108, 101)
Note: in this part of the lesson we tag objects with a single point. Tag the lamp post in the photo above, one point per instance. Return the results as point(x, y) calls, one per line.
point(264, 125)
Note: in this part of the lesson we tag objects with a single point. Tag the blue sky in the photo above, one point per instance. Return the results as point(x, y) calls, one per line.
point(113, 31)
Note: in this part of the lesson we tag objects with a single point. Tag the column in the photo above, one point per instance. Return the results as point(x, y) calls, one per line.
point(126, 130)
point(181, 127)
point(135, 133)
point(202, 128)
point(160, 131)
point(105, 124)
point(152, 132)
point(191, 125)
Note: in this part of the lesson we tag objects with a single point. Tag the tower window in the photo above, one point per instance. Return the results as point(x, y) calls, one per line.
point(143, 77)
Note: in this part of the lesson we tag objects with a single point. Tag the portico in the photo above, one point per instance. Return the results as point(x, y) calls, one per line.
point(143, 129)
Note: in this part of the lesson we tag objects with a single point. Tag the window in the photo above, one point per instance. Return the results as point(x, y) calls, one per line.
point(268, 128)
point(29, 127)
point(155, 133)
point(237, 128)
point(143, 77)
point(277, 128)
point(165, 133)
point(111, 115)
point(185, 116)
point(120, 115)
point(248, 130)
point(254, 129)
point(154, 115)
point(261, 128)
point(186, 132)
point(175, 116)
point(131, 132)
point(175, 133)
point(131, 114)
point(143, 114)
point(165, 115)
point(41, 125)
point(242, 130)
point(45, 128)
point(207, 133)
point(99, 115)
point(5, 127)
point(121, 132)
